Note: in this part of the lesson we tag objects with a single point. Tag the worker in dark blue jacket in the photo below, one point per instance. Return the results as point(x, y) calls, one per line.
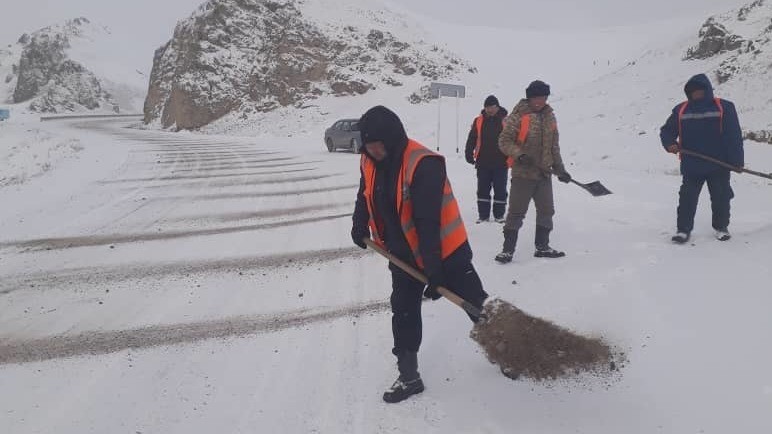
point(709, 126)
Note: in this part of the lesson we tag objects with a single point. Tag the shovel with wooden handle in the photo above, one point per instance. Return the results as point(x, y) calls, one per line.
point(522, 345)
point(726, 165)
point(445, 292)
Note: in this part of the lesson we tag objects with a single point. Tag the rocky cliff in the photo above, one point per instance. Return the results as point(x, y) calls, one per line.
point(254, 56)
point(46, 79)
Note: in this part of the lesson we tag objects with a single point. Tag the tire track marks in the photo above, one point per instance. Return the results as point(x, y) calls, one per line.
point(104, 240)
point(106, 342)
point(105, 275)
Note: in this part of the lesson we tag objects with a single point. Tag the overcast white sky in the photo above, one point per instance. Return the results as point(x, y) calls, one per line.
point(147, 20)
point(139, 26)
point(546, 14)
point(153, 20)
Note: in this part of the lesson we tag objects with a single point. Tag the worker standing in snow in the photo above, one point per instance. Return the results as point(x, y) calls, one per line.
point(405, 202)
point(710, 126)
point(482, 150)
point(530, 136)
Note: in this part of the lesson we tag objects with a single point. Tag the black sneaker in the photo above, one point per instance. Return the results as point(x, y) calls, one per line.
point(681, 238)
point(402, 390)
point(722, 235)
point(548, 252)
point(504, 257)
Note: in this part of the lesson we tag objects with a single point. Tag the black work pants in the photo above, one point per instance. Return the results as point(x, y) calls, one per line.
point(407, 295)
point(496, 179)
point(720, 196)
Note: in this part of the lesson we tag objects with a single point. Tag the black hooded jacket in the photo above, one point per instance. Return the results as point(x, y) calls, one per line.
point(490, 156)
point(426, 190)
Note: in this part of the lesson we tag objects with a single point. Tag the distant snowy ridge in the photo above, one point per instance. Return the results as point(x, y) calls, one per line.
point(248, 57)
point(740, 41)
point(44, 73)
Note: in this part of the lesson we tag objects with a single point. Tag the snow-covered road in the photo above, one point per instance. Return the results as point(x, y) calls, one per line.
point(177, 283)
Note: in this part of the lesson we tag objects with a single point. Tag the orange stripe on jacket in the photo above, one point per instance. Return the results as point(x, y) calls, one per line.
point(478, 123)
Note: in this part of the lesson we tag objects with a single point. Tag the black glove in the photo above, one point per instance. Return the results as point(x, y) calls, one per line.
point(358, 234)
point(525, 160)
point(436, 280)
point(564, 176)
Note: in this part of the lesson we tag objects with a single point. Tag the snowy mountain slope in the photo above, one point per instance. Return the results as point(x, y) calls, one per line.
point(102, 52)
point(630, 105)
point(65, 68)
point(742, 41)
point(248, 58)
point(9, 56)
point(504, 69)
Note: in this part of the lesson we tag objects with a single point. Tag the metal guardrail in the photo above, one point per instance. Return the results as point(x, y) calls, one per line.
point(56, 118)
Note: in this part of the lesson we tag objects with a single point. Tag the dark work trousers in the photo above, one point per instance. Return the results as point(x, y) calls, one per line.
point(497, 179)
point(720, 195)
point(407, 294)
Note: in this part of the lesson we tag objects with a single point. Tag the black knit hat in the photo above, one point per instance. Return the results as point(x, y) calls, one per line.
point(491, 101)
point(537, 88)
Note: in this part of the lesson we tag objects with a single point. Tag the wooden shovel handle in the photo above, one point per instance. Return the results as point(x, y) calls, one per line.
point(725, 164)
point(445, 292)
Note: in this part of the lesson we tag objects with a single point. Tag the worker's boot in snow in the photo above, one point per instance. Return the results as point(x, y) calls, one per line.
point(681, 238)
point(543, 249)
point(723, 234)
point(409, 381)
point(508, 250)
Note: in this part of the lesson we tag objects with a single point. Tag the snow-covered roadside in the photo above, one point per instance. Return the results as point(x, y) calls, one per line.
point(28, 151)
point(52, 164)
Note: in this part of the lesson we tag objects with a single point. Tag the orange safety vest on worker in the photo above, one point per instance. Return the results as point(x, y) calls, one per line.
point(478, 124)
point(525, 126)
point(452, 231)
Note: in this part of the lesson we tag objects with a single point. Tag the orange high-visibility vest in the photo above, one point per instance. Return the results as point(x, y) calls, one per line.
point(478, 124)
point(525, 126)
point(452, 230)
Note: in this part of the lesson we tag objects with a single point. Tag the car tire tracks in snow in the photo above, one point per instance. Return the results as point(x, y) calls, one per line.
point(106, 342)
point(141, 225)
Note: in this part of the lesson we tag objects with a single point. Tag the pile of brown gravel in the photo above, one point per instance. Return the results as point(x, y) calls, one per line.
point(537, 349)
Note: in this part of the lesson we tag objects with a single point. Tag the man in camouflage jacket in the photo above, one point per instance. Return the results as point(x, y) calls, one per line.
point(530, 136)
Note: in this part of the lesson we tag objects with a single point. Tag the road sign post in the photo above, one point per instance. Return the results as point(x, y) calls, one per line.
point(439, 90)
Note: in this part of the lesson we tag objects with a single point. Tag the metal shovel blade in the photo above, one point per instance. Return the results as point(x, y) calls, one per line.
point(596, 189)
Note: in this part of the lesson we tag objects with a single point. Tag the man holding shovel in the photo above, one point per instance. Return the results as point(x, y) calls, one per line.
point(406, 204)
point(709, 126)
point(530, 136)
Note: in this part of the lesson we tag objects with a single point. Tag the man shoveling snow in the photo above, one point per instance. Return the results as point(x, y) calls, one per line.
point(406, 205)
point(405, 202)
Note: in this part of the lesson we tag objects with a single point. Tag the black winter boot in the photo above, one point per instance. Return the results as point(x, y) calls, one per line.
point(508, 251)
point(543, 249)
point(681, 237)
point(409, 381)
